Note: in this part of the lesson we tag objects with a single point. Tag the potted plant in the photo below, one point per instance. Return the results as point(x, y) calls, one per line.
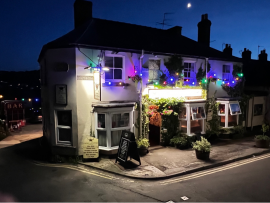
point(142, 144)
point(179, 142)
point(202, 148)
point(262, 141)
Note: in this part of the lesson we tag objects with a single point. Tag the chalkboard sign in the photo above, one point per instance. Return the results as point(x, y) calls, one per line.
point(123, 149)
point(127, 147)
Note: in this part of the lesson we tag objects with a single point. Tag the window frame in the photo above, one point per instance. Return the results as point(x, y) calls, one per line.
point(154, 59)
point(194, 119)
point(57, 127)
point(227, 74)
point(190, 69)
point(123, 67)
point(108, 123)
point(184, 119)
point(231, 109)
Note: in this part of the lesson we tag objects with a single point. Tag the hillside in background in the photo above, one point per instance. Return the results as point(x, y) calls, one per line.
point(22, 84)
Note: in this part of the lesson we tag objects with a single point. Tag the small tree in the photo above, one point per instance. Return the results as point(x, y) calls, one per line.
point(174, 65)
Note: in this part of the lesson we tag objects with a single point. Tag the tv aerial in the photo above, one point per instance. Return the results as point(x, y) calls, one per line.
point(164, 20)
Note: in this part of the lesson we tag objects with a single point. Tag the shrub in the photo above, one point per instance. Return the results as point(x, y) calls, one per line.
point(179, 141)
point(142, 142)
point(202, 146)
point(262, 137)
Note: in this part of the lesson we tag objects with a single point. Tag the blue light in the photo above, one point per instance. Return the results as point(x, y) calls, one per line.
point(110, 83)
point(140, 74)
point(223, 82)
point(232, 81)
point(214, 74)
point(193, 83)
point(171, 79)
point(36, 99)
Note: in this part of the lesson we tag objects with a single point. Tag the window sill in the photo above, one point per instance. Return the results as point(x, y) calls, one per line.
point(115, 84)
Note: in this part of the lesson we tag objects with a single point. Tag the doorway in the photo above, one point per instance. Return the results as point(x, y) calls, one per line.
point(154, 135)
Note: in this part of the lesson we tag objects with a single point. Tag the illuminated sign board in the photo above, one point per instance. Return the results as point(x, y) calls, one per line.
point(177, 93)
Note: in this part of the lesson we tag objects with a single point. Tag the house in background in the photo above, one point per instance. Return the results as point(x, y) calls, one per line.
point(257, 85)
point(86, 88)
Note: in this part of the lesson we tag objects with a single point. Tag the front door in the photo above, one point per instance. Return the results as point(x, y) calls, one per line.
point(154, 135)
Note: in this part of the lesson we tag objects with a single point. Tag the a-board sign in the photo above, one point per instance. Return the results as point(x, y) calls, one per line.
point(91, 149)
point(123, 149)
point(127, 148)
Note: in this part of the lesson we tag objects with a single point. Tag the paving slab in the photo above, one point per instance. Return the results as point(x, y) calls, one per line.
point(28, 132)
point(165, 162)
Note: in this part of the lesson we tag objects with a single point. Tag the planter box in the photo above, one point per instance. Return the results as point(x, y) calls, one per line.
point(262, 143)
point(143, 151)
point(202, 155)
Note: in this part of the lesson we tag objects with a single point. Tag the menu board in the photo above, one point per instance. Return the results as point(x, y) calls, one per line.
point(123, 149)
point(91, 149)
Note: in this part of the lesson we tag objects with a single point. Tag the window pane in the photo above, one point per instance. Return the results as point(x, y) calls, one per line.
point(109, 74)
point(101, 120)
point(64, 134)
point(258, 109)
point(183, 124)
point(232, 120)
point(226, 69)
point(115, 137)
point(120, 120)
point(183, 114)
point(108, 61)
point(64, 118)
point(185, 65)
point(222, 121)
point(154, 64)
point(235, 109)
point(117, 74)
point(192, 67)
point(102, 138)
point(118, 62)
point(222, 109)
point(153, 74)
point(198, 112)
point(196, 126)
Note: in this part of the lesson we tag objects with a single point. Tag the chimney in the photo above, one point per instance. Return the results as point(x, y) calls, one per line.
point(176, 30)
point(204, 30)
point(246, 54)
point(228, 50)
point(263, 56)
point(82, 12)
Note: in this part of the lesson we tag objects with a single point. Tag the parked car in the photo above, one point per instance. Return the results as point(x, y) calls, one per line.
point(36, 117)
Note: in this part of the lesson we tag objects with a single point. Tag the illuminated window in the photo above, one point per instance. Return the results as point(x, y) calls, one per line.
point(226, 72)
point(197, 113)
point(235, 109)
point(221, 109)
point(109, 126)
point(115, 65)
point(188, 68)
point(154, 69)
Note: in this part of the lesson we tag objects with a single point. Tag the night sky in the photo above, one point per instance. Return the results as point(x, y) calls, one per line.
point(29, 24)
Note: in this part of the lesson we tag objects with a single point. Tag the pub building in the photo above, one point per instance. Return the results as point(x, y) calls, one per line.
point(86, 89)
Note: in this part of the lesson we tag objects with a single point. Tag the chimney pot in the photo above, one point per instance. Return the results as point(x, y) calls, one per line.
point(82, 12)
point(204, 30)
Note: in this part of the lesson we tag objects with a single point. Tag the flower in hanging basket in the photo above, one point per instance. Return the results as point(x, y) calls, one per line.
point(135, 78)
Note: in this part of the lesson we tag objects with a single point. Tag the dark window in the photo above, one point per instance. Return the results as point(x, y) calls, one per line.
point(258, 109)
point(64, 135)
point(226, 72)
point(115, 64)
point(188, 67)
point(64, 118)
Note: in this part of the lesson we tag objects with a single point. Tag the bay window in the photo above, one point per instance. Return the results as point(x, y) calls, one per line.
point(110, 122)
point(229, 110)
point(192, 118)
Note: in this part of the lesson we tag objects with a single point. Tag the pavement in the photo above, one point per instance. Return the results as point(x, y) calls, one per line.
point(28, 132)
point(166, 162)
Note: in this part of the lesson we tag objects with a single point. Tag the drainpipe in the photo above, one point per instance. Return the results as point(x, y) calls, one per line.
point(206, 63)
point(141, 57)
point(252, 113)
